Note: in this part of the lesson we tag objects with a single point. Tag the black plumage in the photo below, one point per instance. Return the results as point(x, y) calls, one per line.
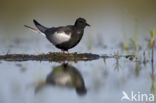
point(64, 37)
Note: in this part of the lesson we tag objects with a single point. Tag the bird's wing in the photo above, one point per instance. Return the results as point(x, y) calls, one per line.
point(59, 35)
point(67, 29)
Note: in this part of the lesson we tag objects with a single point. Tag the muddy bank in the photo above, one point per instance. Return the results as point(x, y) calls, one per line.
point(59, 57)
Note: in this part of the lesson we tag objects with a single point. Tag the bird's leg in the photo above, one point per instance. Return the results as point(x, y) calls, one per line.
point(67, 52)
point(63, 51)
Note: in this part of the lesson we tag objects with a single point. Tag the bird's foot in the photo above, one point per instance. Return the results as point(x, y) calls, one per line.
point(64, 52)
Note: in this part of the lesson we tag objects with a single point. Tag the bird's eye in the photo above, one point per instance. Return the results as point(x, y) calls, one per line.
point(82, 22)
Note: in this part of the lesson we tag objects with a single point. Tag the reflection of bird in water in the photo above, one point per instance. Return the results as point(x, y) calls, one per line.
point(68, 76)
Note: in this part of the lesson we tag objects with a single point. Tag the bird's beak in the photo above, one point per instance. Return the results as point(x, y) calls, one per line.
point(87, 24)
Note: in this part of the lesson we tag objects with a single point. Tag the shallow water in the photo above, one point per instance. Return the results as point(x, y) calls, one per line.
point(104, 80)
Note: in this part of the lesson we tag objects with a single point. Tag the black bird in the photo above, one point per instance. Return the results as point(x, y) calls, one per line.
point(63, 37)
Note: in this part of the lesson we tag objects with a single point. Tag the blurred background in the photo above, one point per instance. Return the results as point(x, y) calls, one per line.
point(110, 20)
point(118, 27)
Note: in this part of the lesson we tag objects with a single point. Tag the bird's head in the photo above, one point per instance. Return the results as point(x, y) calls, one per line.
point(81, 23)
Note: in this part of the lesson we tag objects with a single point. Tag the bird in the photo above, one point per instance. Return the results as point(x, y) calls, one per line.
point(62, 37)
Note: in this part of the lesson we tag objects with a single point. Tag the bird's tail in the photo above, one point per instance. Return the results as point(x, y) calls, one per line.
point(34, 30)
point(39, 26)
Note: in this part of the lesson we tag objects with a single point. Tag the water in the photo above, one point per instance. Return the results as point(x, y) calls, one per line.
point(104, 80)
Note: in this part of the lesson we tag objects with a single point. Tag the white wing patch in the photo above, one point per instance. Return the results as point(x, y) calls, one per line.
point(58, 38)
